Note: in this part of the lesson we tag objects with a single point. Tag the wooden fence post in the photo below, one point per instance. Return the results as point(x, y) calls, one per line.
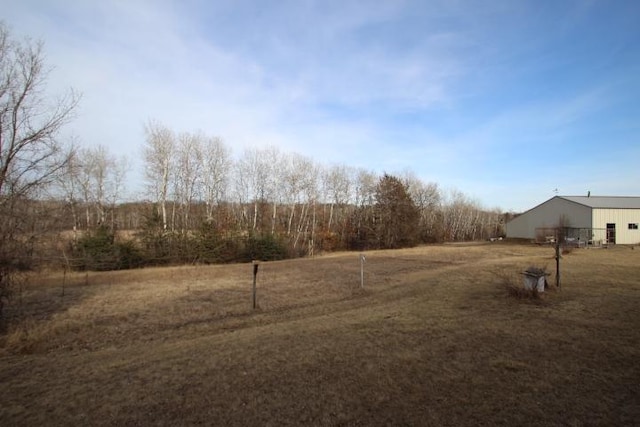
point(362, 260)
point(557, 263)
point(255, 264)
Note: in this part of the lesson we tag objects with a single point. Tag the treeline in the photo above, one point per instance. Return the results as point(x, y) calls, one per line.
point(204, 205)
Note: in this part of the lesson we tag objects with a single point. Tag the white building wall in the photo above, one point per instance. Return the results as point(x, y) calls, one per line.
point(548, 215)
point(621, 218)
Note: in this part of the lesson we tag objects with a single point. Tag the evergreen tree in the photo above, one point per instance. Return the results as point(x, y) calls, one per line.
point(396, 217)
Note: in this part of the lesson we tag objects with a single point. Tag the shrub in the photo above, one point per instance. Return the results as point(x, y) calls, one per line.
point(98, 251)
point(329, 241)
point(95, 250)
point(263, 247)
point(213, 246)
point(129, 255)
point(519, 292)
point(156, 242)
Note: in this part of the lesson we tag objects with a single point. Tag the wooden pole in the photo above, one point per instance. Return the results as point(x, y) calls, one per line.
point(557, 263)
point(362, 259)
point(256, 264)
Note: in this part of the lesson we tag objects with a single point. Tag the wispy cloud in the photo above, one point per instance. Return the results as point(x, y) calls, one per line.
point(465, 94)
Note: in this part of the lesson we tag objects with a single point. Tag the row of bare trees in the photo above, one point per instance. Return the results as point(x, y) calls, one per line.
point(194, 178)
point(184, 169)
point(92, 183)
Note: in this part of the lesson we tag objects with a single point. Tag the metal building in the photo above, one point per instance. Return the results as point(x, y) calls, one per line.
point(584, 219)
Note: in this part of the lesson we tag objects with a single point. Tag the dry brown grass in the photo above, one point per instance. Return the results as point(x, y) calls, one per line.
point(431, 340)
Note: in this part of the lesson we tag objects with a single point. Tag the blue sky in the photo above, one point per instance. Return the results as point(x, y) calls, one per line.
point(502, 100)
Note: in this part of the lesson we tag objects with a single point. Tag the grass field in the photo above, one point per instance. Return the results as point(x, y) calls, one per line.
point(432, 339)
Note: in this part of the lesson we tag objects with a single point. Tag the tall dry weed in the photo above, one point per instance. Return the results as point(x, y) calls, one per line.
point(24, 337)
point(511, 282)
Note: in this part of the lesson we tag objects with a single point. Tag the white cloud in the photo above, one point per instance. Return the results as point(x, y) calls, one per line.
point(366, 84)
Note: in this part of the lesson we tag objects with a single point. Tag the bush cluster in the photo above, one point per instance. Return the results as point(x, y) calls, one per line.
point(100, 250)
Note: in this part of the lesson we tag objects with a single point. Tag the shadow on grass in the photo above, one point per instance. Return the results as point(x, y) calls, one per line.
point(37, 299)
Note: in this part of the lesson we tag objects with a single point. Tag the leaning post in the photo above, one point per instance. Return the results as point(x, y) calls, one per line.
point(362, 260)
point(255, 264)
point(557, 263)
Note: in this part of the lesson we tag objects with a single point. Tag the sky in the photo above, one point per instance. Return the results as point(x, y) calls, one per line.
point(508, 101)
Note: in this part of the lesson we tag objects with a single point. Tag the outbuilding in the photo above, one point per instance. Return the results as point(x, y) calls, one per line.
point(585, 220)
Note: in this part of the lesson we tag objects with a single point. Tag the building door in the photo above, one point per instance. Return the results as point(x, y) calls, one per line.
point(611, 233)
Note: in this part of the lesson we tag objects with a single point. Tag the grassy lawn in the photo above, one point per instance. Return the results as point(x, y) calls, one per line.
point(432, 339)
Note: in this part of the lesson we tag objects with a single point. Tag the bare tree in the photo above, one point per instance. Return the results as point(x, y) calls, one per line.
point(216, 163)
point(462, 217)
point(31, 156)
point(80, 173)
point(361, 217)
point(95, 177)
point(365, 188)
point(117, 184)
point(158, 152)
point(428, 201)
point(310, 191)
point(300, 184)
point(188, 167)
point(70, 190)
point(96, 164)
point(338, 186)
point(294, 186)
point(275, 177)
point(255, 181)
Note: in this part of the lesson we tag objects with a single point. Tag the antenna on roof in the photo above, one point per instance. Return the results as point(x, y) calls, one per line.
point(555, 190)
point(588, 193)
